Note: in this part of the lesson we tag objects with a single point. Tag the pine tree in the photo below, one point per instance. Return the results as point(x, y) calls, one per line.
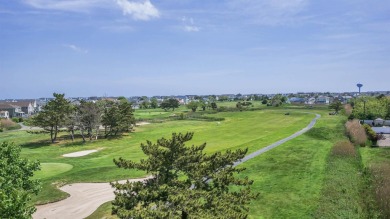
point(185, 183)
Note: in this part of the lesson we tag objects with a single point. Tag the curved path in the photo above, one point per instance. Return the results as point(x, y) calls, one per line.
point(269, 147)
point(85, 198)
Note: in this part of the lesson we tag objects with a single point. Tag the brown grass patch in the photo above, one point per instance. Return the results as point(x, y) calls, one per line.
point(356, 132)
point(348, 109)
point(8, 124)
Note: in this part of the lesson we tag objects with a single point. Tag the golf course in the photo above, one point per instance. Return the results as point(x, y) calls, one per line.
point(292, 179)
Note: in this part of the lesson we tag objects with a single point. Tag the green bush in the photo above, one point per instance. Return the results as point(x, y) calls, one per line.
point(15, 119)
point(370, 133)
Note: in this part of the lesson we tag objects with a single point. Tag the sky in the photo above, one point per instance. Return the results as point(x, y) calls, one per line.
point(175, 47)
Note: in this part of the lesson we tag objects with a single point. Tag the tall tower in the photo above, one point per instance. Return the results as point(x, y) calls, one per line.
point(359, 85)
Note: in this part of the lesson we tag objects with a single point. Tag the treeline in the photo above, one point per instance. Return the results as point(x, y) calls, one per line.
point(371, 107)
point(58, 114)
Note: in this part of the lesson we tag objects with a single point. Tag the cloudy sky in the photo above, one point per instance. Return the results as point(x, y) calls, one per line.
point(167, 47)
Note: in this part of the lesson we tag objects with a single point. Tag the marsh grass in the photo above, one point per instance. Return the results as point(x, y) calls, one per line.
point(344, 149)
point(356, 132)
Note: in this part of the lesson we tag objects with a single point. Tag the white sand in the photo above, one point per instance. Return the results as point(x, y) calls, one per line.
point(84, 199)
point(79, 153)
point(142, 123)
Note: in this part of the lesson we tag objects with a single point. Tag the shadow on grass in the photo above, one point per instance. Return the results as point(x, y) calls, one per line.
point(36, 144)
point(324, 133)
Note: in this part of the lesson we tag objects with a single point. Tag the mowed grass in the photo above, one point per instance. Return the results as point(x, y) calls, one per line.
point(252, 129)
point(290, 177)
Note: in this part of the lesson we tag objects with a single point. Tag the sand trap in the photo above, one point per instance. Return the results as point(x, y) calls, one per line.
point(79, 153)
point(142, 123)
point(84, 199)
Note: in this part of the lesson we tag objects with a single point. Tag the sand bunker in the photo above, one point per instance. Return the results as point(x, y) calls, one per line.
point(142, 123)
point(79, 153)
point(84, 199)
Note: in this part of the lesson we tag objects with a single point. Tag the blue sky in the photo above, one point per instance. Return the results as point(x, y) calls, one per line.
point(167, 47)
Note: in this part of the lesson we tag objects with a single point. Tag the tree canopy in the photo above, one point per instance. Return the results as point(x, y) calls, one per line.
point(185, 183)
point(371, 108)
point(170, 103)
point(15, 183)
point(336, 105)
point(54, 115)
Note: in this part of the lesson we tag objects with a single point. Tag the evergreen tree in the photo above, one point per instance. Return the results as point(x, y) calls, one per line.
point(54, 115)
point(185, 183)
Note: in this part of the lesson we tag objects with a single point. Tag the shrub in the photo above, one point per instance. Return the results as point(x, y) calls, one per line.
point(15, 119)
point(348, 109)
point(344, 149)
point(8, 124)
point(370, 133)
point(356, 132)
point(381, 179)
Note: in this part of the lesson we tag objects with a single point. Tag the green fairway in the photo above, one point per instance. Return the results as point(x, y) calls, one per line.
point(52, 169)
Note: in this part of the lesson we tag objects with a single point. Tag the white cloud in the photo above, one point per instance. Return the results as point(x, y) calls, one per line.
point(76, 48)
point(191, 28)
point(189, 25)
point(67, 5)
point(144, 10)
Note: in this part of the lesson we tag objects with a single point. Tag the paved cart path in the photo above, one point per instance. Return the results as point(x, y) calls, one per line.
point(85, 198)
point(269, 147)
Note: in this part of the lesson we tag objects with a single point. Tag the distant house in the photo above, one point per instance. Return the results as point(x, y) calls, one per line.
point(12, 109)
point(4, 114)
point(27, 106)
point(379, 122)
point(297, 100)
point(322, 100)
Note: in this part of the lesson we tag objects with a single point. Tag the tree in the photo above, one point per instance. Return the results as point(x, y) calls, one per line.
point(185, 183)
point(214, 105)
point(145, 104)
point(153, 103)
point(53, 116)
point(336, 105)
point(170, 103)
point(193, 105)
point(15, 183)
point(89, 115)
point(118, 118)
point(126, 117)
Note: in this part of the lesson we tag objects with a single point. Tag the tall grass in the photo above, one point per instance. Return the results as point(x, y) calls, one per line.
point(381, 180)
point(8, 124)
point(344, 149)
point(356, 132)
point(348, 109)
